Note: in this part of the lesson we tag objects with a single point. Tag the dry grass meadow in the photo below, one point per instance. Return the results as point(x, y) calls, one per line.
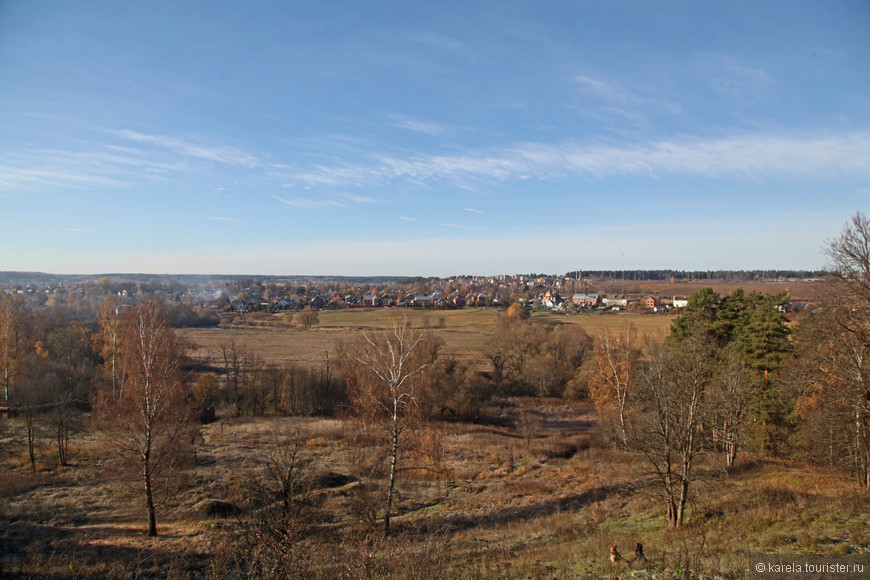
point(493, 503)
point(465, 332)
point(498, 506)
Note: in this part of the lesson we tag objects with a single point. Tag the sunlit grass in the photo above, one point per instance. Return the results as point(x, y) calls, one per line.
point(500, 507)
point(466, 332)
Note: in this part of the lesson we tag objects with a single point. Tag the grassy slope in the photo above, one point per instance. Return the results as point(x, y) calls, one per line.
point(499, 508)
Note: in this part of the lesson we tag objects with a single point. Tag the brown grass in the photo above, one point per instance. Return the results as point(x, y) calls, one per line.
point(498, 507)
point(465, 332)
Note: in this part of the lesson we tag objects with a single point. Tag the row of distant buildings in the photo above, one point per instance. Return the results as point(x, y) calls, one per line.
point(553, 300)
point(550, 299)
point(381, 300)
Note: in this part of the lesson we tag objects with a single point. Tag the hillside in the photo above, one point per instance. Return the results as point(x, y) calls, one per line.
point(496, 506)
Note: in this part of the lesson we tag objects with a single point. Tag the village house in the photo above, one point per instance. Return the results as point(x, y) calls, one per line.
point(680, 302)
point(586, 300)
point(371, 300)
point(551, 299)
point(615, 301)
point(477, 299)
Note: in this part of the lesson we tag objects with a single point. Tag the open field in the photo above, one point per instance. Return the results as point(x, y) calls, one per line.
point(465, 332)
point(497, 507)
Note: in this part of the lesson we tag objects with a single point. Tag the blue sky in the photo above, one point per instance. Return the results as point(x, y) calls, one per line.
point(429, 138)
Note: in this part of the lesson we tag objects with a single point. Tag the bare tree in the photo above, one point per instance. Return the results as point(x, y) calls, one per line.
point(388, 385)
point(67, 350)
point(613, 381)
point(672, 408)
point(308, 318)
point(35, 381)
point(733, 396)
point(850, 256)
point(833, 374)
point(529, 424)
point(238, 360)
point(276, 509)
point(147, 422)
point(835, 348)
point(108, 342)
point(10, 343)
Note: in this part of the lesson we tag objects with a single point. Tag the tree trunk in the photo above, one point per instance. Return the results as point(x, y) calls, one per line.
point(394, 458)
point(862, 457)
point(149, 501)
point(114, 373)
point(622, 427)
point(729, 438)
point(681, 506)
point(30, 438)
point(730, 453)
point(62, 439)
point(672, 514)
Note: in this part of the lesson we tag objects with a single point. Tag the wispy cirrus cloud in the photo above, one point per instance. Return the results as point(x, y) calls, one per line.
point(359, 199)
point(341, 201)
point(418, 126)
point(603, 89)
point(308, 203)
point(407, 219)
point(471, 209)
point(438, 41)
point(754, 157)
point(90, 165)
point(217, 153)
point(13, 177)
point(729, 76)
point(96, 163)
point(226, 219)
point(609, 97)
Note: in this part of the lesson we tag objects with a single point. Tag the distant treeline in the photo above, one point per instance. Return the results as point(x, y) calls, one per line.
point(22, 279)
point(738, 275)
point(12, 279)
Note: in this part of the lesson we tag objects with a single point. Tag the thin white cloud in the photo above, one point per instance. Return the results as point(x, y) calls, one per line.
point(602, 89)
point(359, 199)
point(727, 75)
point(15, 177)
point(95, 165)
point(439, 41)
point(754, 157)
point(343, 201)
point(307, 203)
point(607, 98)
point(418, 126)
point(226, 219)
point(472, 210)
point(407, 219)
point(220, 153)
